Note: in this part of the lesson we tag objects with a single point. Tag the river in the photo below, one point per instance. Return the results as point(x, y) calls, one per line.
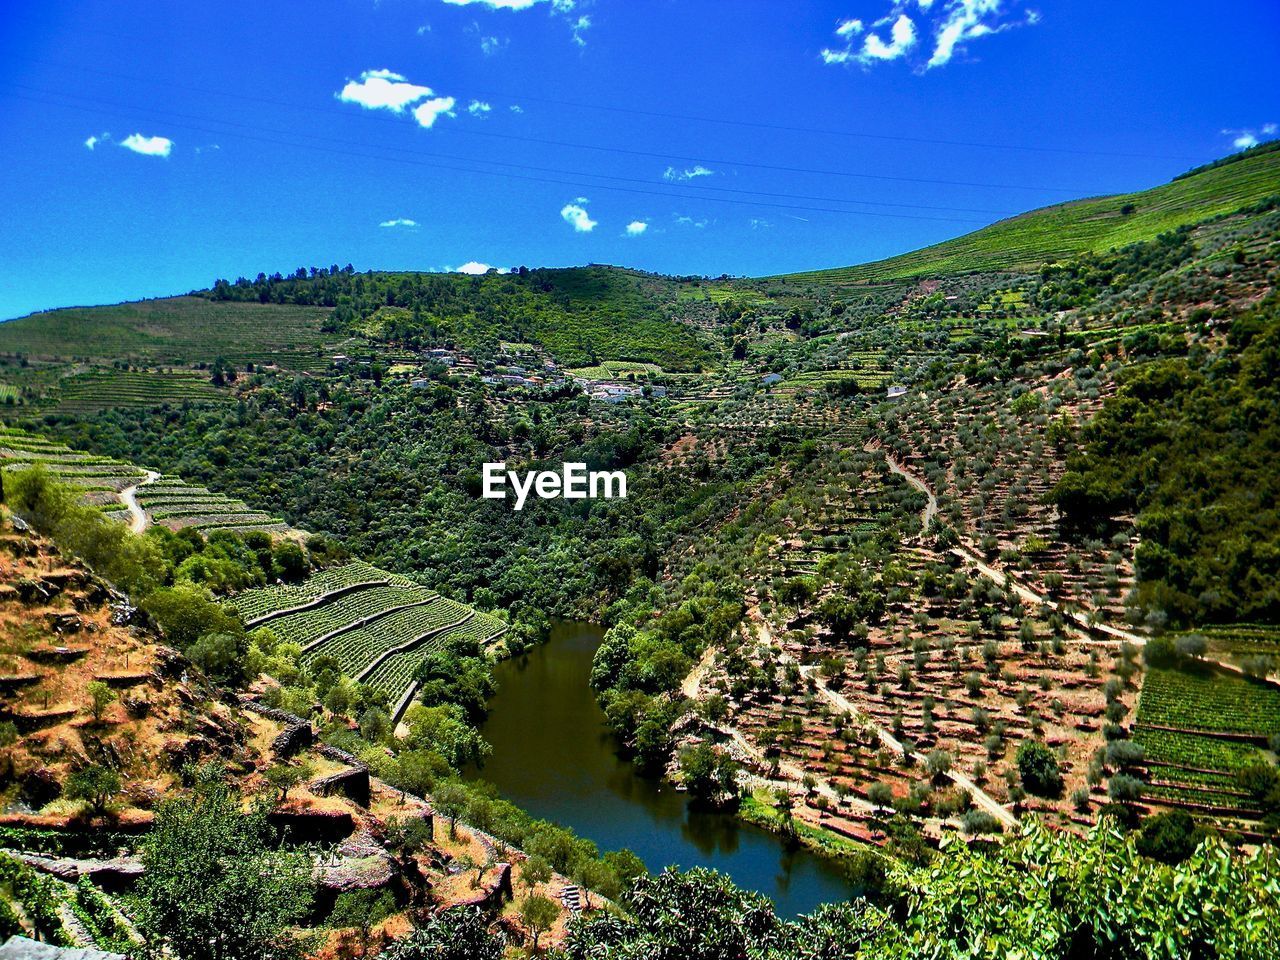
point(554, 756)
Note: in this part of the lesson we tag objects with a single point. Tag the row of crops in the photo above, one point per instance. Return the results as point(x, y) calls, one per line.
point(377, 626)
point(259, 605)
point(357, 649)
point(349, 610)
point(19, 450)
point(1199, 728)
point(394, 674)
point(170, 502)
point(1211, 701)
point(107, 389)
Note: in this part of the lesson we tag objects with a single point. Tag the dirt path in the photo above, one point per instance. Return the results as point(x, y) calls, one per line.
point(128, 496)
point(693, 682)
point(931, 508)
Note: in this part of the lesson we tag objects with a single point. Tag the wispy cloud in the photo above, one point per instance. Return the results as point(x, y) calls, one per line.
point(478, 108)
point(399, 222)
point(427, 113)
point(567, 9)
point(636, 227)
point(94, 140)
point(382, 90)
point(492, 45)
point(575, 214)
point(148, 146)
point(1249, 137)
point(691, 173)
point(946, 26)
point(686, 221)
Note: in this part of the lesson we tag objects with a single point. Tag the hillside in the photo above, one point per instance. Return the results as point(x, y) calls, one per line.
point(1085, 226)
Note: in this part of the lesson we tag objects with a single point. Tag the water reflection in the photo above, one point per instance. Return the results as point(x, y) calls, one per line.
point(553, 755)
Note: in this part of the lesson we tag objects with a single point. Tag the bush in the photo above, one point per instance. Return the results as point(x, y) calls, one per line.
point(1039, 770)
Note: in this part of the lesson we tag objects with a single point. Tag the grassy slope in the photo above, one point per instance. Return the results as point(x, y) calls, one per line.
point(1083, 226)
point(173, 330)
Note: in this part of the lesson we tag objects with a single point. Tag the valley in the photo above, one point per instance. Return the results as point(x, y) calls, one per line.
point(922, 574)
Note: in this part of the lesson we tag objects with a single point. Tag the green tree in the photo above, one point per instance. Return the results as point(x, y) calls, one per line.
point(538, 913)
point(1038, 767)
point(362, 910)
point(535, 870)
point(215, 887)
point(94, 785)
point(459, 934)
point(101, 696)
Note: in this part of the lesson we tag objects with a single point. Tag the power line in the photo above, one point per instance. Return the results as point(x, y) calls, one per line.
point(636, 111)
point(557, 170)
point(652, 155)
point(515, 176)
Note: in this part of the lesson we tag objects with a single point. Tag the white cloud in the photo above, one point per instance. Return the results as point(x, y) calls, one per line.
point(946, 27)
point(1251, 137)
point(561, 6)
point(148, 146)
point(491, 45)
point(576, 216)
point(91, 142)
point(690, 222)
point(426, 113)
point(382, 90)
point(758, 224)
point(680, 176)
point(637, 227)
point(903, 37)
point(581, 26)
point(478, 108)
point(516, 108)
point(476, 269)
point(399, 222)
point(966, 20)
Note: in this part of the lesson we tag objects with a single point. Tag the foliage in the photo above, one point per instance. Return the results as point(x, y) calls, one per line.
point(460, 934)
point(1189, 444)
point(215, 887)
point(1038, 768)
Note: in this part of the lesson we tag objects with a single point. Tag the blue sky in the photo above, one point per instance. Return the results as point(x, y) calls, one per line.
point(147, 148)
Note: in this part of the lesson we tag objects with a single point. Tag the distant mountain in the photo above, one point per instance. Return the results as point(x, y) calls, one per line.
point(1095, 225)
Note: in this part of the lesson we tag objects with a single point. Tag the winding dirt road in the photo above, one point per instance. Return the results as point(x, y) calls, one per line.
point(129, 497)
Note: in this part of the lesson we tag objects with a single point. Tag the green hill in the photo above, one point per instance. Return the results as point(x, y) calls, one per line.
point(1084, 226)
point(174, 330)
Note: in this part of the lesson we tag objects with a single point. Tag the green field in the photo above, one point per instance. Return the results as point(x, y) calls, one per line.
point(105, 389)
point(1082, 226)
point(376, 625)
point(1209, 701)
point(177, 330)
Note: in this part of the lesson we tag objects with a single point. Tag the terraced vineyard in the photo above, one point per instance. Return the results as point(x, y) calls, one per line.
point(377, 625)
point(1198, 730)
point(394, 673)
point(257, 606)
point(361, 605)
point(89, 393)
point(1211, 702)
point(172, 503)
point(176, 330)
point(19, 449)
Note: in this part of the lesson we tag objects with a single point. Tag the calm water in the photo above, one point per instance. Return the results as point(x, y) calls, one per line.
point(553, 755)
